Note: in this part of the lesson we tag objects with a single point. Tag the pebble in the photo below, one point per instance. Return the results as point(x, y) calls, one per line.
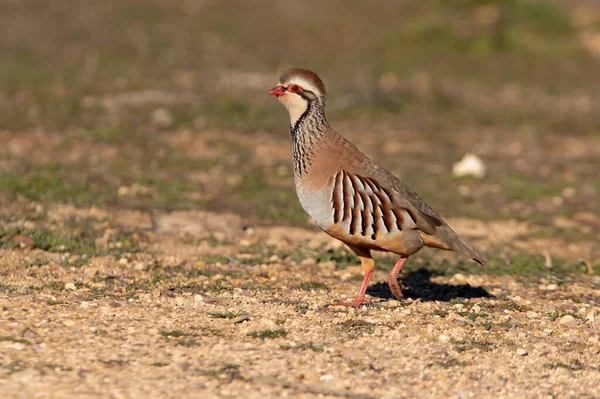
point(308, 262)
point(568, 320)
point(531, 314)
point(162, 117)
point(444, 338)
point(521, 352)
point(139, 266)
point(591, 317)
point(70, 286)
point(469, 165)
point(551, 287)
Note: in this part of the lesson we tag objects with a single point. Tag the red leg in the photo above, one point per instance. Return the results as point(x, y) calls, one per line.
point(369, 267)
point(360, 298)
point(393, 283)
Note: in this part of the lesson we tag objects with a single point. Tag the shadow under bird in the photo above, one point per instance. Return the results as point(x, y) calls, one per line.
point(351, 197)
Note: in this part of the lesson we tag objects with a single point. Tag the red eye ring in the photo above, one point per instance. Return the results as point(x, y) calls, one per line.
point(294, 88)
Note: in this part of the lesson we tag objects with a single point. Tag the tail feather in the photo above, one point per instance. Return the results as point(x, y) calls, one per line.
point(446, 238)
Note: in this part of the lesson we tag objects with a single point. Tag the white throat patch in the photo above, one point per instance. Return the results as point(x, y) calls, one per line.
point(295, 104)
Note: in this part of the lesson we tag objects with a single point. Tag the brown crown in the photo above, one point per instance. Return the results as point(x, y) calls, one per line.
point(304, 74)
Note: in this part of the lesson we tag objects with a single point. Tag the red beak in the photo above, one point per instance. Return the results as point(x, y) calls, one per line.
point(277, 91)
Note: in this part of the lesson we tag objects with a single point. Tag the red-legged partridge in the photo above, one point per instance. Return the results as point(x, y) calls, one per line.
point(349, 196)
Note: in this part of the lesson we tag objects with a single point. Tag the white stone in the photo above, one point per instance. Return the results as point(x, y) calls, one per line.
point(70, 286)
point(531, 314)
point(444, 338)
point(469, 165)
point(568, 320)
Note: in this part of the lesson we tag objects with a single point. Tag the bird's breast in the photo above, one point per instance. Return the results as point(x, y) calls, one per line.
point(315, 202)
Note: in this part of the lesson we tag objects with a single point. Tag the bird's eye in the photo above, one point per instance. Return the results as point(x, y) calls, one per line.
point(294, 88)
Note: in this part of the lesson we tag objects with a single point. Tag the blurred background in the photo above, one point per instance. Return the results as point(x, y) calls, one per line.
point(160, 105)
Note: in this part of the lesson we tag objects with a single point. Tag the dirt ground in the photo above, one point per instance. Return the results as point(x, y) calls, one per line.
point(197, 316)
point(151, 242)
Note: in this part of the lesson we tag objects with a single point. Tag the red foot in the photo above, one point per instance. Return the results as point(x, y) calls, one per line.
point(395, 287)
point(393, 283)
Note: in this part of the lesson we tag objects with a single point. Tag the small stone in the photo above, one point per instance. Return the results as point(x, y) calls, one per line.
point(444, 338)
point(198, 298)
point(521, 352)
point(469, 165)
point(551, 287)
point(476, 309)
point(70, 287)
point(16, 346)
point(308, 262)
point(326, 377)
point(568, 320)
point(569, 192)
point(139, 266)
point(162, 117)
point(531, 314)
point(68, 323)
point(590, 318)
point(547, 332)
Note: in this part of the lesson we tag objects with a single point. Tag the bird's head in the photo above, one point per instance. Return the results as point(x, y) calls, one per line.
point(298, 89)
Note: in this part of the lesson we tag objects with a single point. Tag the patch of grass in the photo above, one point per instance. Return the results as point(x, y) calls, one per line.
point(238, 114)
point(5, 288)
point(301, 307)
point(219, 286)
point(13, 339)
point(461, 301)
point(575, 365)
point(80, 245)
point(44, 368)
point(553, 316)
point(214, 260)
point(520, 188)
point(38, 261)
point(439, 312)
point(255, 197)
point(342, 257)
point(311, 285)
point(517, 263)
point(178, 337)
point(114, 362)
point(15, 366)
point(304, 346)
point(463, 345)
point(227, 373)
point(487, 326)
point(57, 183)
point(48, 241)
point(472, 315)
point(268, 334)
point(225, 315)
point(356, 326)
point(452, 363)
point(173, 333)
